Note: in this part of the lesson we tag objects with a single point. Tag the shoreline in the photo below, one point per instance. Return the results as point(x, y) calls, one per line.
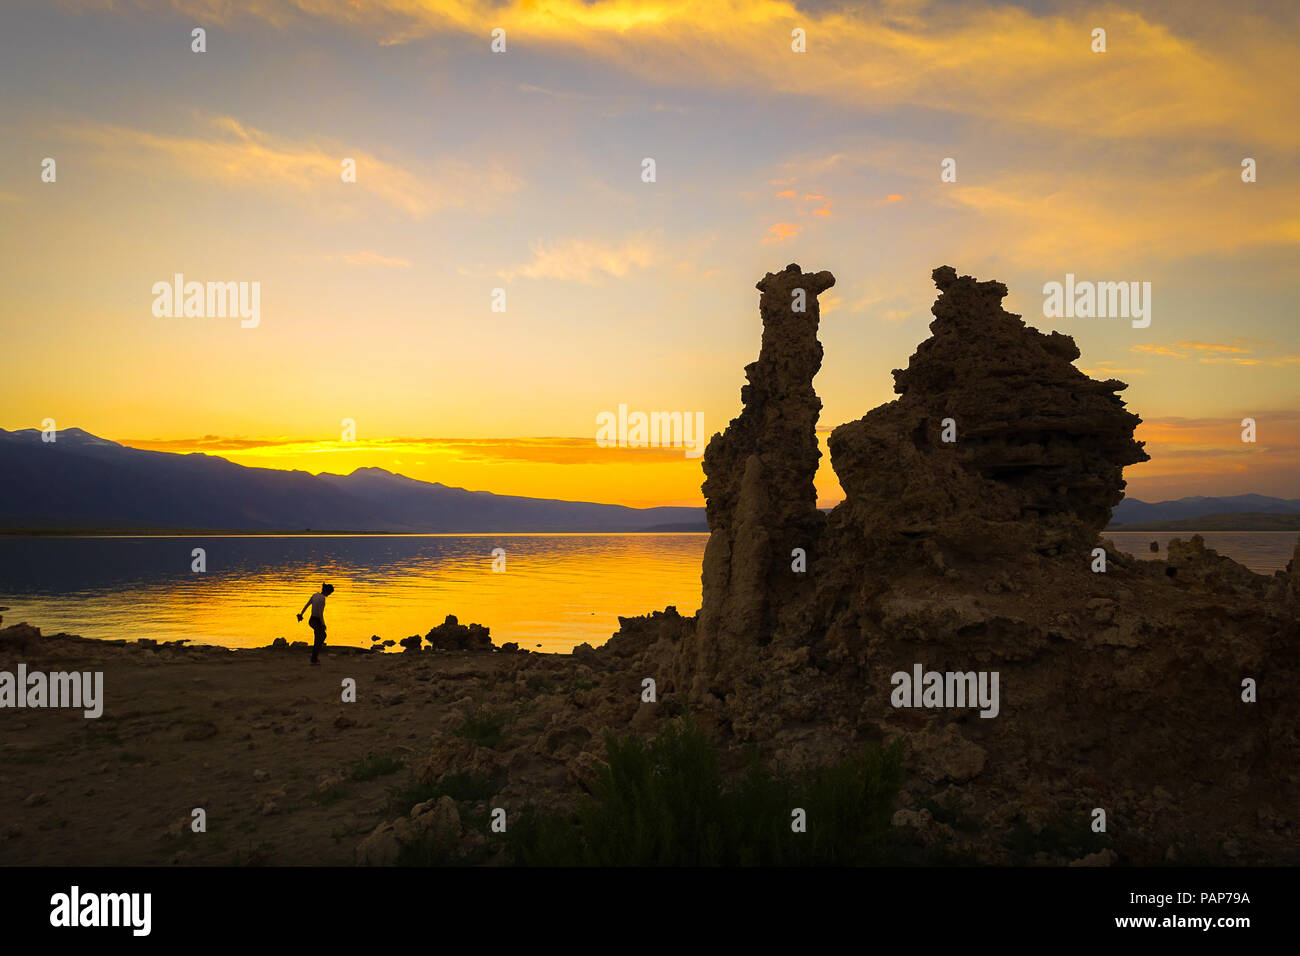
point(286, 771)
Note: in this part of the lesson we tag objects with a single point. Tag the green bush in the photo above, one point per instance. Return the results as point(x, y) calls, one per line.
point(372, 766)
point(460, 786)
point(667, 804)
point(483, 726)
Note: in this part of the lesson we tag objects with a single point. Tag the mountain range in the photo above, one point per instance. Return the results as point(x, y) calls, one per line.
point(1132, 511)
point(81, 481)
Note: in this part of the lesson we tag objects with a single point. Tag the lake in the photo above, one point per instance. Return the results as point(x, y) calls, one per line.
point(1262, 551)
point(557, 590)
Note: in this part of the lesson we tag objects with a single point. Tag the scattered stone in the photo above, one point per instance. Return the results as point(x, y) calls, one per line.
point(437, 820)
point(451, 635)
point(328, 781)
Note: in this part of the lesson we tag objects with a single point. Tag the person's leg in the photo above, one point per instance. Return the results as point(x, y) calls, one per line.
point(318, 628)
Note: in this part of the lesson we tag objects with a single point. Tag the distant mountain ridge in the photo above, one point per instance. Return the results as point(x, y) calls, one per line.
point(83, 481)
point(1135, 511)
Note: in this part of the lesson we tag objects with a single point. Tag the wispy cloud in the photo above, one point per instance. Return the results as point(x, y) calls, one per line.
point(999, 61)
point(234, 155)
point(1210, 353)
point(587, 260)
point(1207, 456)
point(781, 231)
point(1107, 369)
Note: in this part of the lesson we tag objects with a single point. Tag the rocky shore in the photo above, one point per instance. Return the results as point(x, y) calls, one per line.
point(284, 769)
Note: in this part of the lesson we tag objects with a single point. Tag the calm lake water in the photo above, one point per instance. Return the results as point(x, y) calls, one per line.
point(556, 591)
point(1262, 551)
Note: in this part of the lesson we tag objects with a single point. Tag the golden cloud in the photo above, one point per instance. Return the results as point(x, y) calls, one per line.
point(543, 450)
point(781, 231)
point(241, 156)
point(1005, 62)
point(587, 261)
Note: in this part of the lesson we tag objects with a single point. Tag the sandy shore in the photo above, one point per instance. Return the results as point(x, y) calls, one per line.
point(258, 738)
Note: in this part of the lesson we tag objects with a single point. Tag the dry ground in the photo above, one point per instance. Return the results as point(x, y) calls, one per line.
point(258, 739)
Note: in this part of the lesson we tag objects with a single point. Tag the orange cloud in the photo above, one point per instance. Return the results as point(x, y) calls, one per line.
point(542, 450)
point(781, 231)
point(1158, 350)
point(1214, 353)
point(1207, 456)
point(587, 261)
point(1211, 347)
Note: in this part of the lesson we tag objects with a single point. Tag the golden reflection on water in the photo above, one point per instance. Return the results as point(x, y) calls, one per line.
point(557, 591)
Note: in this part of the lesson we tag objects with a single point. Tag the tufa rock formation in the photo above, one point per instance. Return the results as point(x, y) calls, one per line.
point(1034, 452)
point(1122, 690)
point(761, 499)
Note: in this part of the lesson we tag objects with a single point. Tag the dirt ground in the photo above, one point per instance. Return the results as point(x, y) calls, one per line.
point(260, 740)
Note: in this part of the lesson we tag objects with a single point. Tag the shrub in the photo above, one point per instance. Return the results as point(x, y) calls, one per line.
point(667, 803)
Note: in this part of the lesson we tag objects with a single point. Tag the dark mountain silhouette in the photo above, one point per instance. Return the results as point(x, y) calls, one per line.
point(1134, 511)
point(83, 481)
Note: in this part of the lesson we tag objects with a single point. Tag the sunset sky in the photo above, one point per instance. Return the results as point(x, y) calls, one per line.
point(523, 171)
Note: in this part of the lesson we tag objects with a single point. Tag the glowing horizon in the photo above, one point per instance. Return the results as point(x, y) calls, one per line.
point(522, 171)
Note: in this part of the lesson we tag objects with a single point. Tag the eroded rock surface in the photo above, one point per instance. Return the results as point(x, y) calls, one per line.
point(1120, 690)
point(997, 444)
point(759, 485)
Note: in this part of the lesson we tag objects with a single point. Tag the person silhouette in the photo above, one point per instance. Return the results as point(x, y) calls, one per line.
point(317, 620)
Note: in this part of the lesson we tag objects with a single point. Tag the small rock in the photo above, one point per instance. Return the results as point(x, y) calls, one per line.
point(327, 781)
